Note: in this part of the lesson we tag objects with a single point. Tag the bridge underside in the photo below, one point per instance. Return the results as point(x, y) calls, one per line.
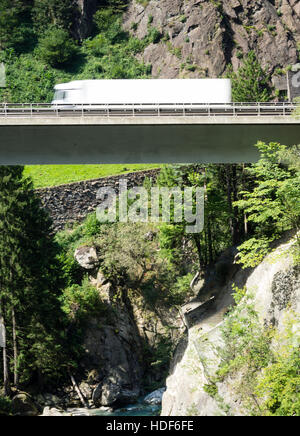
point(88, 142)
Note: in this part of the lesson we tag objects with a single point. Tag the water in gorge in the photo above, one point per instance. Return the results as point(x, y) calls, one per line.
point(138, 409)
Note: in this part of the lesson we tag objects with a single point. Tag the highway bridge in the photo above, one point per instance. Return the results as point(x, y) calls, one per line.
point(137, 133)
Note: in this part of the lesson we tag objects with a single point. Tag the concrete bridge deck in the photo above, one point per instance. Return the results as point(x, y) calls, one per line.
point(97, 139)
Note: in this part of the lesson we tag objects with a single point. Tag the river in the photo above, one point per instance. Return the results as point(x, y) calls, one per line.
point(138, 409)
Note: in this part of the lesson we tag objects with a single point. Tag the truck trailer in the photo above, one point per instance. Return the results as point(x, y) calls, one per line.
point(142, 92)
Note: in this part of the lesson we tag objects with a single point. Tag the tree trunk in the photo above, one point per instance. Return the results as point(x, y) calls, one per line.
point(16, 376)
point(231, 182)
point(209, 241)
point(245, 216)
point(199, 250)
point(79, 393)
point(6, 383)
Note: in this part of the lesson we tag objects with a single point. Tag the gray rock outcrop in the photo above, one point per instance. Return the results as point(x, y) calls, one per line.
point(23, 405)
point(202, 37)
point(155, 397)
point(87, 257)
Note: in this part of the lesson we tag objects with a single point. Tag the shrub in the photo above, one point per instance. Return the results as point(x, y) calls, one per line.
point(280, 386)
point(181, 289)
point(96, 46)
point(81, 302)
point(134, 26)
point(154, 35)
point(211, 389)
point(104, 18)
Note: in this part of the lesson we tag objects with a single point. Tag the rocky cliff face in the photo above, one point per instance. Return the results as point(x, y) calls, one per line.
point(84, 19)
point(275, 286)
point(201, 37)
point(115, 346)
point(119, 343)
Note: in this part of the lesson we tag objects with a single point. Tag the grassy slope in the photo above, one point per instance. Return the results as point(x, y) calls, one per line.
point(52, 175)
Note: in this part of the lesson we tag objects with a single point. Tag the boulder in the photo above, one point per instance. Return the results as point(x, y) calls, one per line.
point(87, 257)
point(109, 394)
point(96, 397)
point(112, 394)
point(86, 390)
point(23, 405)
point(155, 398)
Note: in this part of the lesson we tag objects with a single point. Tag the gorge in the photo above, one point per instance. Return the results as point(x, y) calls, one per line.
point(102, 314)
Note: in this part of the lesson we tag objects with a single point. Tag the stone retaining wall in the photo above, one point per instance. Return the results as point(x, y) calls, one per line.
point(73, 202)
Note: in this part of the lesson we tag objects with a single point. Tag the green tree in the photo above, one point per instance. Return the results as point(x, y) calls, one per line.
point(251, 82)
point(272, 203)
point(15, 24)
point(30, 283)
point(215, 236)
point(56, 47)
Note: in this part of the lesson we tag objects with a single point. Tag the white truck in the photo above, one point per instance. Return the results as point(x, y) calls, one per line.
point(146, 93)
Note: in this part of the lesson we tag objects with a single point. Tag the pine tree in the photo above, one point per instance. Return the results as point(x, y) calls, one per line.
point(251, 82)
point(30, 283)
point(10, 228)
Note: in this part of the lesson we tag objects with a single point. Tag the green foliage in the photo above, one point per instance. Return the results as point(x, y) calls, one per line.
point(211, 389)
point(57, 59)
point(180, 290)
point(238, 294)
point(215, 237)
point(30, 281)
point(36, 82)
point(130, 257)
point(60, 14)
point(96, 46)
point(253, 251)
point(15, 25)
point(56, 47)
point(5, 406)
point(246, 343)
point(278, 385)
point(154, 35)
point(127, 256)
point(267, 377)
point(273, 203)
point(158, 358)
point(81, 302)
point(162, 353)
point(92, 226)
point(251, 82)
point(144, 3)
point(114, 50)
point(246, 348)
point(68, 241)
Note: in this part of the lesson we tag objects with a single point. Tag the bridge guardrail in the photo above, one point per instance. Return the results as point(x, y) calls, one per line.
point(153, 109)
